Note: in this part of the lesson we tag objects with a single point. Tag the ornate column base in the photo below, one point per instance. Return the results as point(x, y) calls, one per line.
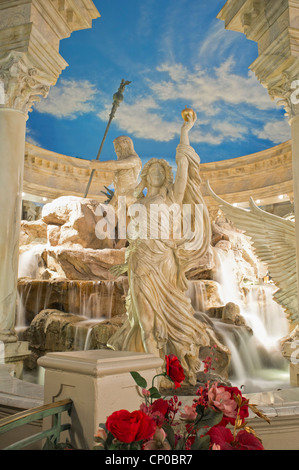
point(14, 354)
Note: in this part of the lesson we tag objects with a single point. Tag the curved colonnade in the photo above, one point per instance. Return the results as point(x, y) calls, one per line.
point(265, 176)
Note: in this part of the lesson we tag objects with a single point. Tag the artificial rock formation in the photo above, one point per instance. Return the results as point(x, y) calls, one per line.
point(72, 222)
point(52, 330)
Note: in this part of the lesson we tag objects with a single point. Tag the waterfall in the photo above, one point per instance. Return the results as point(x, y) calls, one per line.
point(256, 359)
point(90, 299)
point(227, 277)
point(265, 316)
point(197, 294)
point(83, 333)
point(29, 261)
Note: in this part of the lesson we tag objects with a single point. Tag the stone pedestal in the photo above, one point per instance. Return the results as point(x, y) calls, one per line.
point(99, 382)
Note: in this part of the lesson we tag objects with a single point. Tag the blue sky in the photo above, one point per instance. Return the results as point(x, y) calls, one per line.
point(176, 53)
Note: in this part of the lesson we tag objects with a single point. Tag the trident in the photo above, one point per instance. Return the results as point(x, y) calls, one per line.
point(118, 97)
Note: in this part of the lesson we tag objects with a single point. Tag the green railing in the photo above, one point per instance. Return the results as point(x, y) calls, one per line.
point(51, 435)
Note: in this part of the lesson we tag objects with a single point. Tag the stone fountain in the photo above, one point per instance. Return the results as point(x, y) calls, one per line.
point(198, 295)
point(68, 299)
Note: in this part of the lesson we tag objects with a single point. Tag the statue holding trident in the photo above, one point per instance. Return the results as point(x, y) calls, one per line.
point(160, 317)
point(118, 97)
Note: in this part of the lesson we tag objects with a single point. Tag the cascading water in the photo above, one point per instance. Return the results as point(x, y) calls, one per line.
point(256, 359)
point(197, 293)
point(91, 299)
point(29, 261)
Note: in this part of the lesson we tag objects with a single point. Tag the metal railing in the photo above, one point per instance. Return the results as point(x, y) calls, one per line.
point(34, 414)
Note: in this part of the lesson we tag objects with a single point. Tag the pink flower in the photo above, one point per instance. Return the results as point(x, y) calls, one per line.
point(101, 434)
point(216, 447)
point(190, 413)
point(158, 442)
point(222, 400)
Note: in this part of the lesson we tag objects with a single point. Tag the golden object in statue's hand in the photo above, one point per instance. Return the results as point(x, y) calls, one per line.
point(186, 112)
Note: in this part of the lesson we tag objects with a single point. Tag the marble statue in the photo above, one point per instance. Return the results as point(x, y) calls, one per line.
point(160, 318)
point(126, 170)
point(274, 241)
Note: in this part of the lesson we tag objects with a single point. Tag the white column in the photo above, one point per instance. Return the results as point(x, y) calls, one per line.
point(12, 143)
point(294, 123)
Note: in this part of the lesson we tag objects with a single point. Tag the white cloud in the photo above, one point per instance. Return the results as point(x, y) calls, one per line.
point(217, 41)
point(229, 130)
point(206, 91)
point(209, 94)
point(144, 119)
point(30, 137)
point(69, 99)
point(275, 131)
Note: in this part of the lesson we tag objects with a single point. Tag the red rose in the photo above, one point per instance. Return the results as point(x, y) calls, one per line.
point(131, 427)
point(174, 370)
point(158, 411)
point(160, 405)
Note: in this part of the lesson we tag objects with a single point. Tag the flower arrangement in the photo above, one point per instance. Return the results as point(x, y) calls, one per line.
point(216, 420)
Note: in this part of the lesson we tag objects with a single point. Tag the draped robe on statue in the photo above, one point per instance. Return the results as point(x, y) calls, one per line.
point(157, 281)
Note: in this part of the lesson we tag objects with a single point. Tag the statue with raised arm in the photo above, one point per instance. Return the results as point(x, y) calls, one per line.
point(160, 317)
point(126, 170)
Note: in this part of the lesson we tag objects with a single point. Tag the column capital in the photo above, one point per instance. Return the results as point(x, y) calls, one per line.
point(22, 83)
point(286, 92)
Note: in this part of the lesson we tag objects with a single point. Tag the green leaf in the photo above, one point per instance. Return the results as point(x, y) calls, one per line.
point(201, 443)
point(103, 426)
point(209, 418)
point(109, 439)
point(140, 381)
point(154, 392)
point(98, 448)
point(169, 434)
point(113, 447)
point(180, 445)
point(136, 445)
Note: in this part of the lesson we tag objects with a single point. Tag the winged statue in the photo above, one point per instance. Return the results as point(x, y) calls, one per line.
point(274, 242)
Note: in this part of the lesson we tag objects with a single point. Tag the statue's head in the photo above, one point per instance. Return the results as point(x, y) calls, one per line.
point(123, 146)
point(156, 173)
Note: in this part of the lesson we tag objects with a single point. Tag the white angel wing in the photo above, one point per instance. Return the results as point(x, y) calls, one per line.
point(274, 242)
